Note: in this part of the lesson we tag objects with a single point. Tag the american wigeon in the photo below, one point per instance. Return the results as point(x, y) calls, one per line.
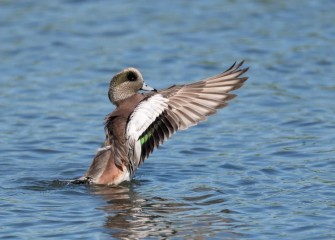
point(142, 122)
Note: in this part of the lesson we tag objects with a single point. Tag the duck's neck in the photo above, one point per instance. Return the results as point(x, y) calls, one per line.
point(130, 102)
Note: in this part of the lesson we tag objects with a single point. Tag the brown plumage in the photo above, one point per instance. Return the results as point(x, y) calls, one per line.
point(142, 122)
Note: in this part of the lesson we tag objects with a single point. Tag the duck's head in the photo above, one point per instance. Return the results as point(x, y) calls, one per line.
point(125, 84)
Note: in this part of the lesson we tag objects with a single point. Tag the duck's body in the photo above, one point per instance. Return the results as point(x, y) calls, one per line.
point(103, 169)
point(141, 122)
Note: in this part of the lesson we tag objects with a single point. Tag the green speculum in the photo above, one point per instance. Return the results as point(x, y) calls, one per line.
point(146, 136)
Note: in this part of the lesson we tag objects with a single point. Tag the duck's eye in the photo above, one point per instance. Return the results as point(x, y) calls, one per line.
point(131, 76)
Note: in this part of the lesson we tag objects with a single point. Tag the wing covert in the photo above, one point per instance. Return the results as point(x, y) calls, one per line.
point(179, 107)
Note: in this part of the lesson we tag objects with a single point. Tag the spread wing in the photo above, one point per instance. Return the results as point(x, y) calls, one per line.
point(161, 114)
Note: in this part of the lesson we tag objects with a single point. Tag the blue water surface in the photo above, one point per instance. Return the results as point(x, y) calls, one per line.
point(263, 168)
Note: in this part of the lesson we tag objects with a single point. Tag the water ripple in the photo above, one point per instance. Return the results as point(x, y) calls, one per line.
point(262, 168)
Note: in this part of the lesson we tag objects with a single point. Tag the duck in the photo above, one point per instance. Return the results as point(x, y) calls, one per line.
point(142, 121)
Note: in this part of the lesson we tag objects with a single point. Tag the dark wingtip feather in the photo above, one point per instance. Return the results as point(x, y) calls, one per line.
point(236, 68)
point(245, 69)
point(243, 79)
point(232, 66)
point(241, 63)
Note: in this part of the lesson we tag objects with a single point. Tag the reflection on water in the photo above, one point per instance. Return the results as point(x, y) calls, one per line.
point(263, 168)
point(128, 215)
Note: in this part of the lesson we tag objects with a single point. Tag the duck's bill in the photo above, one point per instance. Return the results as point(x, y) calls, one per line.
point(148, 88)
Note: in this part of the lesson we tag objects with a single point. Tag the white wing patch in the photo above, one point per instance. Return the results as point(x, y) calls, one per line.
point(144, 115)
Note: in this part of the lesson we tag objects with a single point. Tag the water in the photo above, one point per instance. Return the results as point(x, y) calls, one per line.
point(263, 168)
